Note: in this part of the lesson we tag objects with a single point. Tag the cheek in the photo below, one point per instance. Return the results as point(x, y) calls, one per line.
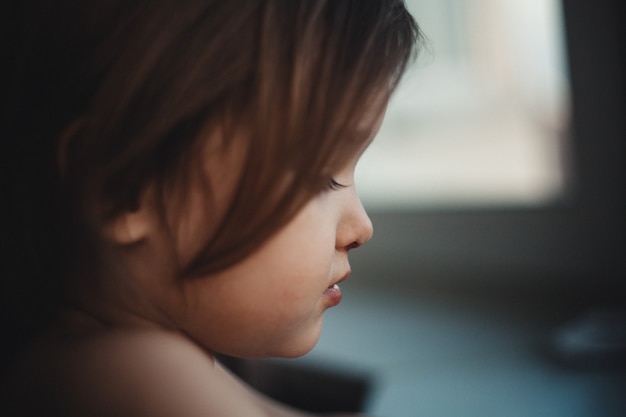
point(270, 303)
point(253, 315)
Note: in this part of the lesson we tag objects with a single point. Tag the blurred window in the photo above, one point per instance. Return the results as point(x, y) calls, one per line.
point(481, 119)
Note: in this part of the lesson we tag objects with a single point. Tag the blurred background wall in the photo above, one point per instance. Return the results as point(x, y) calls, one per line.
point(501, 161)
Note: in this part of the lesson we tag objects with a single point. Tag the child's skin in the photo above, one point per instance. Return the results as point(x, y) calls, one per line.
point(167, 125)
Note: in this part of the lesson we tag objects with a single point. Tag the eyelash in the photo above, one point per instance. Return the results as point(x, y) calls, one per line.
point(334, 185)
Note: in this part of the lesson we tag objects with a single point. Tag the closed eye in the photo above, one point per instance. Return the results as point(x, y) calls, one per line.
point(334, 185)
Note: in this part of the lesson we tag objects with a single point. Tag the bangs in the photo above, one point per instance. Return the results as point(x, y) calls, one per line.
point(324, 70)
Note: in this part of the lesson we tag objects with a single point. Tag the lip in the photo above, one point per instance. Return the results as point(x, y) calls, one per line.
point(333, 293)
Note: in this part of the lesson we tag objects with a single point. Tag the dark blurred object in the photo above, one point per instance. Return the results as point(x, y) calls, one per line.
point(308, 388)
point(595, 340)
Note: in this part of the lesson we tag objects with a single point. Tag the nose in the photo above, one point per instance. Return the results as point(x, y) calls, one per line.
point(355, 228)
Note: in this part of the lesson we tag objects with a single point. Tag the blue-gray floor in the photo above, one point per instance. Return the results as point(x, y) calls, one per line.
point(442, 355)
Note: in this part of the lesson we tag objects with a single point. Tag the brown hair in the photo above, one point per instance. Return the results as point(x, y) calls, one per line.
point(141, 80)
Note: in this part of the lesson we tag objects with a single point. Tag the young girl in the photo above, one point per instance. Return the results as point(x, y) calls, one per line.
point(182, 185)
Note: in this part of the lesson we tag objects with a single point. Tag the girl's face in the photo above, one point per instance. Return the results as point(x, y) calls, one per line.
point(272, 302)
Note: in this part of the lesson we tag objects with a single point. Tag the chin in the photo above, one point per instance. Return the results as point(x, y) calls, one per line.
point(282, 344)
point(300, 345)
point(283, 352)
point(289, 348)
point(295, 353)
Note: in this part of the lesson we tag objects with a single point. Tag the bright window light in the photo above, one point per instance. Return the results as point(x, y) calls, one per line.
point(481, 119)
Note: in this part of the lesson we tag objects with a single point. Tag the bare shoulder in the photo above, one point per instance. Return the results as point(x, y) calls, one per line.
point(134, 372)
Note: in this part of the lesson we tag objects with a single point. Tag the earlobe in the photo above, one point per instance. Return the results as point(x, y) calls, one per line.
point(129, 228)
point(136, 224)
point(133, 226)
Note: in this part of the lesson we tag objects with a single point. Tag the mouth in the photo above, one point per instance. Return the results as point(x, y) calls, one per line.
point(333, 293)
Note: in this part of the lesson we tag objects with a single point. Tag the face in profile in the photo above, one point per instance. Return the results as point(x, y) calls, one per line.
point(272, 302)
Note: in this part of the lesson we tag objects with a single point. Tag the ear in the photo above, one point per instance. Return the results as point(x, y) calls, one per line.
point(129, 228)
point(136, 225)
